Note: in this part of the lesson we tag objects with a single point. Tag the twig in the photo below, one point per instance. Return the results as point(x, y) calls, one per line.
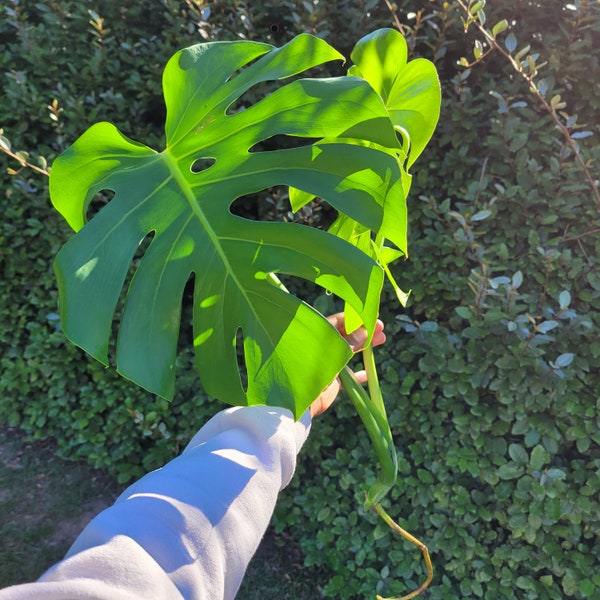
point(399, 25)
point(480, 184)
point(589, 260)
point(578, 237)
point(23, 162)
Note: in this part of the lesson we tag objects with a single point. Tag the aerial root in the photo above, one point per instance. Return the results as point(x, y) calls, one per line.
point(413, 540)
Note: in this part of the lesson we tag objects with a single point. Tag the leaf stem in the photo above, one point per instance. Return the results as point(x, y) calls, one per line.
point(379, 431)
point(373, 379)
point(376, 424)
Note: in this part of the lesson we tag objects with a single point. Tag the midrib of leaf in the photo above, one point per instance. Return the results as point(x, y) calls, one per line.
point(191, 199)
point(214, 238)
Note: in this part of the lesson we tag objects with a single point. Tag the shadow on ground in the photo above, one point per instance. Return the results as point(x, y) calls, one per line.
point(45, 501)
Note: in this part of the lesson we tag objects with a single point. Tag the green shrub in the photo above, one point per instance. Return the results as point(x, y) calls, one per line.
point(490, 374)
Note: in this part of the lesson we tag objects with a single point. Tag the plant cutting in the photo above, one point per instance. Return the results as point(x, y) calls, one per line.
point(353, 141)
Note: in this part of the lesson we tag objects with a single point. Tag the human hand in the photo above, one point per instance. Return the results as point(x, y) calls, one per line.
point(356, 340)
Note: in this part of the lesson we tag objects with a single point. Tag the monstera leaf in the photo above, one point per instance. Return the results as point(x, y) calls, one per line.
point(181, 198)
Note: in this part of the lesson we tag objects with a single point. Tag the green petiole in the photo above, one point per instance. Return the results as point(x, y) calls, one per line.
point(372, 379)
point(376, 424)
point(371, 410)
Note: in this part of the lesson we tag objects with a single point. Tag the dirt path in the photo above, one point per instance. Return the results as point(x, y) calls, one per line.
point(45, 502)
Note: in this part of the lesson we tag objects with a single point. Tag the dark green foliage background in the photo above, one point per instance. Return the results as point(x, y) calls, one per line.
point(499, 442)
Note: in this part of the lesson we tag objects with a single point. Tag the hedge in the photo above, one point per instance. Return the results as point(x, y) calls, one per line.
point(489, 374)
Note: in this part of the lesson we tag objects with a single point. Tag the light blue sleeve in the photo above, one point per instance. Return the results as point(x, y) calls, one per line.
point(187, 530)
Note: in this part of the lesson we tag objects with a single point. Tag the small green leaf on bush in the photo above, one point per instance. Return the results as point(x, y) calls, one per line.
point(555, 474)
point(587, 588)
point(4, 143)
point(546, 326)
point(518, 454)
point(481, 215)
point(564, 360)
point(569, 585)
point(438, 520)
point(425, 476)
point(524, 583)
point(323, 513)
point(579, 135)
point(556, 103)
point(517, 280)
point(510, 42)
point(539, 457)
point(534, 520)
point(550, 444)
point(532, 437)
point(518, 141)
point(391, 375)
point(429, 326)
point(464, 312)
point(552, 509)
point(477, 7)
point(509, 471)
point(522, 52)
point(564, 299)
point(499, 27)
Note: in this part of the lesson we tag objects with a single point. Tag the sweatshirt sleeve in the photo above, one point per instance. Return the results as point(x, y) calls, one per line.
point(187, 530)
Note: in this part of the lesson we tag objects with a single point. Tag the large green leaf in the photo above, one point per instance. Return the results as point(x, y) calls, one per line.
point(181, 197)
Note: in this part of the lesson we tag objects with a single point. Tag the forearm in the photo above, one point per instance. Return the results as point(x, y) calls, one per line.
point(190, 529)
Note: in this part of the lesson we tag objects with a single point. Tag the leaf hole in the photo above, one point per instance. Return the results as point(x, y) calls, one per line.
point(98, 202)
point(266, 205)
point(120, 306)
point(245, 67)
point(202, 164)
point(273, 204)
point(252, 96)
point(282, 142)
point(186, 333)
point(241, 360)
